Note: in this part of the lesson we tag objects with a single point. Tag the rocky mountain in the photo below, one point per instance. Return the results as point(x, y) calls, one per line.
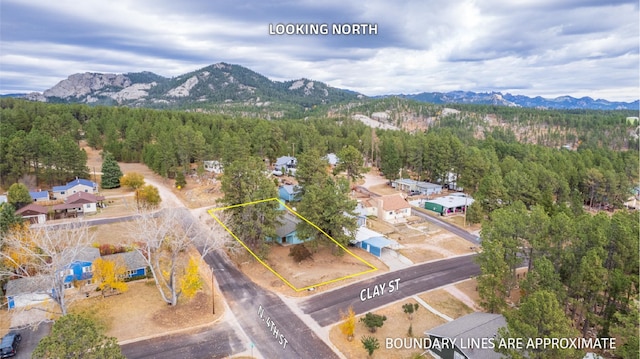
point(226, 86)
point(216, 84)
point(498, 99)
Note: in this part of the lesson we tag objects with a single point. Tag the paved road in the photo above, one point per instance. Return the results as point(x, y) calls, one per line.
point(217, 342)
point(272, 327)
point(449, 227)
point(30, 339)
point(325, 308)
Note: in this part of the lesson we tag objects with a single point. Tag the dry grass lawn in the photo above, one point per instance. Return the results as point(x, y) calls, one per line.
point(396, 326)
point(141, 312)
point(446, 303)
point(322, 268)
point(383, 189)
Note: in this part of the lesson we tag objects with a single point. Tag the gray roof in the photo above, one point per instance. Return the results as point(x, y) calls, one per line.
point(36, 284)
point(289, 222)
point(132, 260)
point(87, 254)
point(474, 325)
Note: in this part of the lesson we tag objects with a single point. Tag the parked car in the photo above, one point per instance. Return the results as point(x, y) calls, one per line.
point(414, 193)
point(9, 345)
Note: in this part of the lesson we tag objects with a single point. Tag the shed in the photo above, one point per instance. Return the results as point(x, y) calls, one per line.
point(375, 245)
point(39, 196)
point(449, 204)
point(470, 329)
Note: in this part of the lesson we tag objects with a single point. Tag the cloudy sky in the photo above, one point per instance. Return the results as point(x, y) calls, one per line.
point(530, 47)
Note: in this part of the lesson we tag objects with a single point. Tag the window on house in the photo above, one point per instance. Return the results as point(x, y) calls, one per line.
point(86, 269)
point(61, 192)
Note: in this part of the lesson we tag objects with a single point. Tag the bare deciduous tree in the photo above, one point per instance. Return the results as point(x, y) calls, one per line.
point(163, 238)
point(38, 260)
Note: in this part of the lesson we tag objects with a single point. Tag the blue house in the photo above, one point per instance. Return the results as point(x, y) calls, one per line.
point(289, 193)
point(37, 289)
point(133, 261)
point(81, 268)
point(286, 231)
point(75, 186)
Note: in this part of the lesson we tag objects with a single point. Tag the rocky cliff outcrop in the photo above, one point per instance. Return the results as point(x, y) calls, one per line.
point(81, 85)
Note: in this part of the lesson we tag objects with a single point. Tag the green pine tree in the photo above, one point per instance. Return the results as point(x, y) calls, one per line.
point(111, 172)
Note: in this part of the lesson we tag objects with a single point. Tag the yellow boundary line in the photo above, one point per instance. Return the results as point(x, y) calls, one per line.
point(211, 211)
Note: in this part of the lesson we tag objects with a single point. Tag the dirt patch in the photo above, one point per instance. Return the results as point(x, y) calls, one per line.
point(322, 268)
point(422, 241)
point(382, 189)
point(446, 303)
point(396, 326)
point(141, 312)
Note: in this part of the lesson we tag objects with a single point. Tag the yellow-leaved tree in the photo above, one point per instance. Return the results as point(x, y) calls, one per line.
point(18, 257)
point(109, 275)
point(348, 325)
point(191, 281)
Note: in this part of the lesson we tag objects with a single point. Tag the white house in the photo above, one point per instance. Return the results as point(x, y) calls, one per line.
point(213, 167)
point(393, 208)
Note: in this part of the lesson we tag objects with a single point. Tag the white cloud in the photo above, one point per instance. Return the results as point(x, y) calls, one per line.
point(533, 48)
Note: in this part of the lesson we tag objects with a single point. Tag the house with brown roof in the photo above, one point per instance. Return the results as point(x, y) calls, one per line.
point(393, 208)
point(34, 213)
point(79, 202)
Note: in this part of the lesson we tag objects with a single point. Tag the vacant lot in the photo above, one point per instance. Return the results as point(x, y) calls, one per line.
point(420, 240)
point(323, 267)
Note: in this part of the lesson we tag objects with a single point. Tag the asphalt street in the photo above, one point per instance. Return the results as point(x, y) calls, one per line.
point(273, 328)
point(325, 308)
point(216, 342)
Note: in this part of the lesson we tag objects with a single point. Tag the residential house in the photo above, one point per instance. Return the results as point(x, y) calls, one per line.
point(332, 158)
point(409, 185)
point(405, 184)
point(428, 188)
point(449, 204)
point(88, 202)
point(286, 232)
point(289, 193)
point(37, 289)
point(80, 202)
point(213, 167)
point(467, 333)
point(285, 165)
point(39, 196)
point(133, 261)
point(393, 208)
point(75, 186)
point(81, 268)
point(34, 213)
